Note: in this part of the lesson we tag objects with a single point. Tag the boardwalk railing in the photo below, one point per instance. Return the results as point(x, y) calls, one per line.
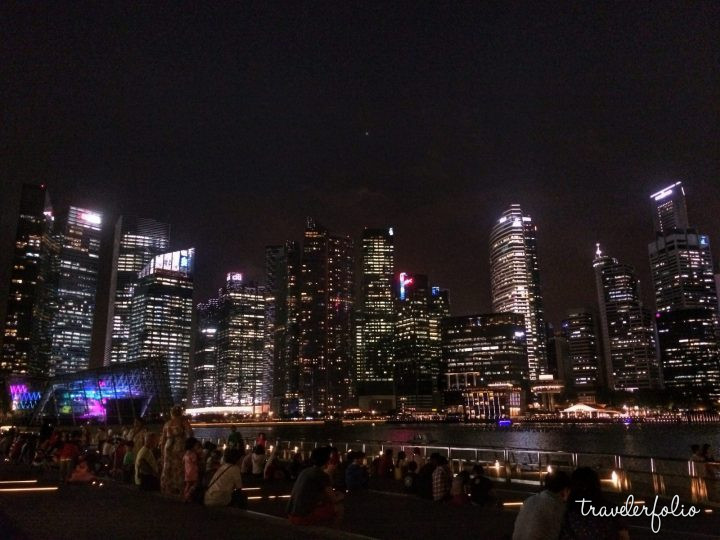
point(643, 476)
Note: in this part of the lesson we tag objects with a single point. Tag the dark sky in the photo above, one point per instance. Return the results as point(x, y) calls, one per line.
point(234, 122)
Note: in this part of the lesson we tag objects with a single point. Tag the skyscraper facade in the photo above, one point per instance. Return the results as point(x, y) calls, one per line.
point(205, 359)
point(243, 371)
point(685, 298)
point(161, 315)
point(414, 373)
point(136, 242)
point(75, 270)
point(582, 348)
point(326, 308)
point(515, 280)
point(628, 338)
point(479, 350)
point(669, 209)
point(374, 331)
point(282, 265)
point(26, 333)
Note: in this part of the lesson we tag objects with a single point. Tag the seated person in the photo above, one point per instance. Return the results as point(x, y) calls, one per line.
point(81, 473)
point(356, 475)
point(313, 501)
point(225, 486)
point(147, 470)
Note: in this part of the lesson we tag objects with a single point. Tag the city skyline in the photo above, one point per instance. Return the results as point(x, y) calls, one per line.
point(494, 107)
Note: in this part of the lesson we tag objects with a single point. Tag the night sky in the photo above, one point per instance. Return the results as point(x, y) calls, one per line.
point(234, 122)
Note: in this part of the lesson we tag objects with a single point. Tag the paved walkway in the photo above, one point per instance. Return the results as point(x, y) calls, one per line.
point(118, 511)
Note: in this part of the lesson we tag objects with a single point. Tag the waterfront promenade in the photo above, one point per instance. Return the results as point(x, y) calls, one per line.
point(119, 511)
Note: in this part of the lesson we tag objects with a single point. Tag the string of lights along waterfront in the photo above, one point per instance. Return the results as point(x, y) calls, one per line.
point(322, 336)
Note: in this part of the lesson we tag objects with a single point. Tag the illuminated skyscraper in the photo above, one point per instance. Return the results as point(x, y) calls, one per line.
point(243, 368)
point(282, 265)
point(26, 330)
point(685, 299)
point(161, 314)
point(582, 349)
point(669, 209)
point(414, 374)
point(75, 271)
point(136, 242)
point(682, 270)
point(687, 339)
point(326, 306)
point(204, 370)
point(479, 350)
point(515, 280)
point(374, 329)
point(628, 338)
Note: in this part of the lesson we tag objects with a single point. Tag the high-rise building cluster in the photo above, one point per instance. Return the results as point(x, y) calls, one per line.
point(319, 335)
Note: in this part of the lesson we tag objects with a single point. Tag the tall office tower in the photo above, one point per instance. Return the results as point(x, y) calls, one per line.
point(282, 265)
point(669, 209)
point(374, 329)
point(242, 372)
point(682, 270)
point(26, 331)
point(161, 315)
point(78, 236)
point(687, 339)
point(581, 336)
point(438, 311)
point(326, 306)
point(626, 326)
point(515, 280)
point(136, 242)
point(205, 359)
point(479, 350)
point(685, 298)
point(558, 355)
point(414, 372)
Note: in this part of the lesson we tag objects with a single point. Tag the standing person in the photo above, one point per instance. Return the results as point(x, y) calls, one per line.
point(67, 456)
point(313, 501)
point(441, 480)
point(224, 489)
point(172, 444)
point(147, 470)
point(385, 465)
point(424, 478)
point(261, 440)
point(541, 515)
point(400, 466)
point(356, 475)
point(191, 466)
point(585, 484)
point(234, 440)
point(137, 434)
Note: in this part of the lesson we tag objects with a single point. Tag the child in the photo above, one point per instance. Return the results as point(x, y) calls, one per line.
point(192, 468)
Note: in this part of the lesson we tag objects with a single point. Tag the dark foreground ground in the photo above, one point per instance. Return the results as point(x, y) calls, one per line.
point(116, 511)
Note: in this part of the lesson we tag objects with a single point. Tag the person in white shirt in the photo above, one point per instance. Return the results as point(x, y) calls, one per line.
point(225, 485)
point(541, 516)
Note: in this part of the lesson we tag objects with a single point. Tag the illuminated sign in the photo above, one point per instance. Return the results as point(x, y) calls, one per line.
point(390, 231)
point(663, 193)
point(23, 399)
point(519, 334)
point(91, 217)
point(404, 282)
point(435, 291)
point(176, 261)
point(234, 276)
point(704, 240)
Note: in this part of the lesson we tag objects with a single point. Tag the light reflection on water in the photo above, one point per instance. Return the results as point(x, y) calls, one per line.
point(659, 440)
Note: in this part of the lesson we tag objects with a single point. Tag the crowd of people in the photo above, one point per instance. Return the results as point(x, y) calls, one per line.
point(180, 466)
